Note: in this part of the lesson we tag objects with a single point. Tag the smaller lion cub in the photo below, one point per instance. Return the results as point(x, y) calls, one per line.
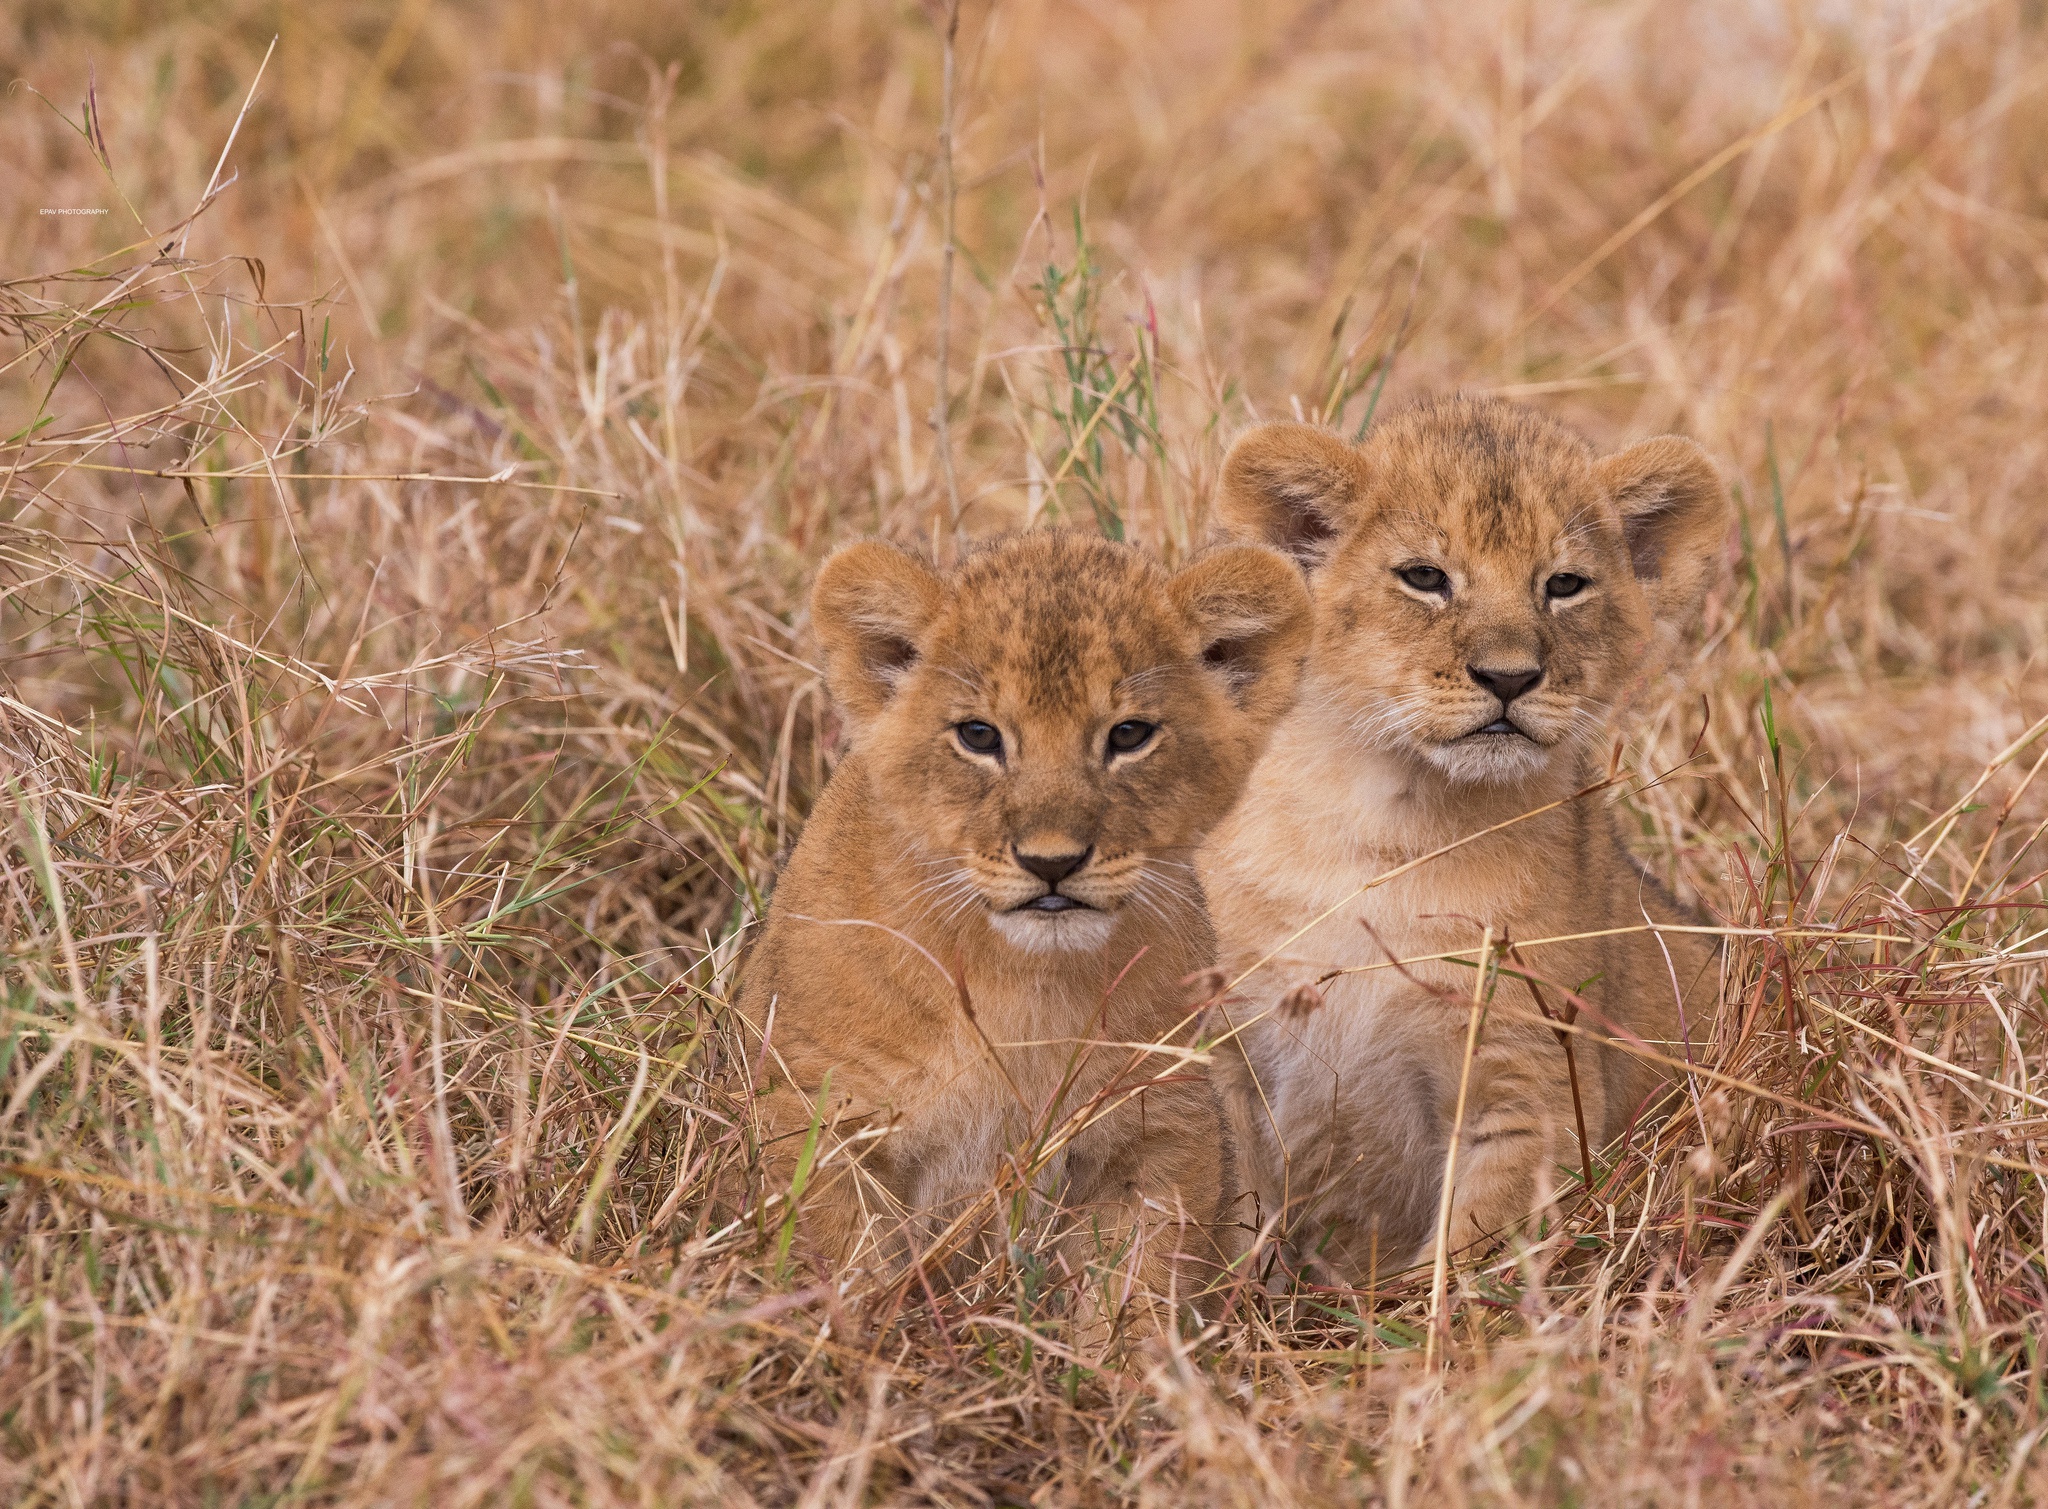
point(992, 910)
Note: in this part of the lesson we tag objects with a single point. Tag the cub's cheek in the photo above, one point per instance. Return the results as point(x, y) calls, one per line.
point(934, 794)
point(1171, 800)
point(1367, 675)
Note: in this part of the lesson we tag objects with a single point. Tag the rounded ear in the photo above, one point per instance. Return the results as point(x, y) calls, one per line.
point(1253, 612)
point(870, 605)
point(1674, 516)
point(1291, 486)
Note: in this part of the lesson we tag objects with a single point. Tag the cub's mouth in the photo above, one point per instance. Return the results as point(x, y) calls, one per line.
point(1500, 728)
point(1498, 750)
point(1053, 901)
point(1054, 924)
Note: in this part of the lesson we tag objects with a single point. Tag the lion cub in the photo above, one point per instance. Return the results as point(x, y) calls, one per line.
point(1486, 589)
point(992, 910)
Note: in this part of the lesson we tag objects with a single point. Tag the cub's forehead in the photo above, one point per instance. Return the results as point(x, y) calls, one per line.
point(1056, 619)
point(1486, 476)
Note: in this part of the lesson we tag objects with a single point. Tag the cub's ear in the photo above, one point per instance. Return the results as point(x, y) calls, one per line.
point(1255, 619)
point(1674, 515)
point(1291, 486)
point(870, 605)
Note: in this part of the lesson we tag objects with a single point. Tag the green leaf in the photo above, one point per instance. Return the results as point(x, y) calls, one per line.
point(802, 1177)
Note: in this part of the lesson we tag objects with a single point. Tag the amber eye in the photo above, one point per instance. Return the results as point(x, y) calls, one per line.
point(1564, 584)
point(979, 738)
point(1131, 736)
point(1425, 579)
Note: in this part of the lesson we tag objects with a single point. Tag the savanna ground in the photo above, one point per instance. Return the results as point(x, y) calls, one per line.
point(411, 476)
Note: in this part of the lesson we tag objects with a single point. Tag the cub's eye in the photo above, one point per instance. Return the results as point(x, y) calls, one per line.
point(1131, 736)
point(1564, 584)
point(1425, 578)
point(979, 738)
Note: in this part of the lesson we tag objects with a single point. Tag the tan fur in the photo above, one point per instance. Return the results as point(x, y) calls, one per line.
point(909, 871)
point(1342, 1116)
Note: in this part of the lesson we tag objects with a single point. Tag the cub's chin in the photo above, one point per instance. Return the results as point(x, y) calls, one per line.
point(1489, 759)
point(1078, 930)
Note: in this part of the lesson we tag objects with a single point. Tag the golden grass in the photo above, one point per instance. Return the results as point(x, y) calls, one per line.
point(405, 694)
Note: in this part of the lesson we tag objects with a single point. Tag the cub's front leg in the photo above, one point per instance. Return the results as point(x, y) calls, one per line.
point(851, 1207)
point(1260, 1193)
point(1519, 1134)
point(1149, 1230)
point(1272, 1183)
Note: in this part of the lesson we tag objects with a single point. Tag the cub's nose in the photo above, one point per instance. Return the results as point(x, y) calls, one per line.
point(1506, 685)
point(1053, 868)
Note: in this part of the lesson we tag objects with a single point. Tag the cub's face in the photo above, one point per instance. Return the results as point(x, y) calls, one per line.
point(1485, 586)
point(1051, 728)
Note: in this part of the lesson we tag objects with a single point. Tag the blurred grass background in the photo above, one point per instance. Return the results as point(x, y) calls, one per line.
point(404, 692)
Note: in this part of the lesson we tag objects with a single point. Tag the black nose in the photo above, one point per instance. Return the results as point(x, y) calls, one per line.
point(1053, 868)
point(1506, 685)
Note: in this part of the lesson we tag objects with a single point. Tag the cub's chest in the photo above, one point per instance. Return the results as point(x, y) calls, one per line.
point(978, 1098)
point(1307, 879)
point(1372, 946)
point(1351, 919)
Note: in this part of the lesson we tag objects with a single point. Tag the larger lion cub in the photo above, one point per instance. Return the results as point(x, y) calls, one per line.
point(1486, 588)
point(992, 910)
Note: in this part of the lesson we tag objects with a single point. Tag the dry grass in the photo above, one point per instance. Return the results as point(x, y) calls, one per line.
point(404, 696)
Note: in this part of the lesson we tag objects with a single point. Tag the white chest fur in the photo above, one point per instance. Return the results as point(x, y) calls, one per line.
point(1314, 879)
